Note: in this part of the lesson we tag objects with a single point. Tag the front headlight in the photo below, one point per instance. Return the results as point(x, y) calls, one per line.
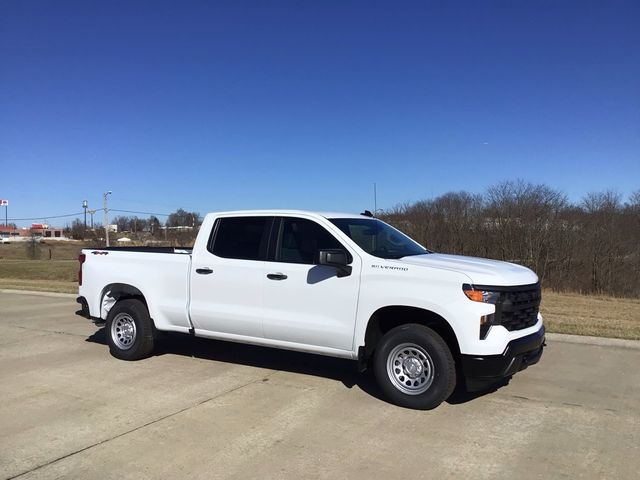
point(483, 296)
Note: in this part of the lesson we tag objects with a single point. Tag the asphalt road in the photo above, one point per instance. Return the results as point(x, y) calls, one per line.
point(206, 409)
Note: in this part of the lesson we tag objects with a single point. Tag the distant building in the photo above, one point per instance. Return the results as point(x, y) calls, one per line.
point(12, 232)
point(37, 230)
point(53, 233)
point(45, 231)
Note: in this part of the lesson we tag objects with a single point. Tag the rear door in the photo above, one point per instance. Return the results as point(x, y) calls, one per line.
point(227, 279)
point(306, 303)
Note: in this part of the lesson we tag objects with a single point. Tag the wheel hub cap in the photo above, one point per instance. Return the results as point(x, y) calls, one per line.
point(412, 367)
point(123, 331)
point(127, 331)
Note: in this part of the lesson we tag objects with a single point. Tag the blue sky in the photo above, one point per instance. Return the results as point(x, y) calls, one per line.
point(305, 104)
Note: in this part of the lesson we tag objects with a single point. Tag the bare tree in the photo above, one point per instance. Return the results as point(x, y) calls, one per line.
point(182, 218)
point(592, 246)
point(32, 247)
point(122, 222)
point(76, 230)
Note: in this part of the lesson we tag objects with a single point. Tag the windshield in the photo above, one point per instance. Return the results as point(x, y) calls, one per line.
point(377, 238)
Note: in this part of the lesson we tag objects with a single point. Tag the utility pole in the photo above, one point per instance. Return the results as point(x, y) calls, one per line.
point(106, 215)
point(85, 205)
point(91, 212)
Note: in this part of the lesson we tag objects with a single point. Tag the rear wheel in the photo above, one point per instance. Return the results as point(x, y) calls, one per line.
point(129, 330)
point(414, 367)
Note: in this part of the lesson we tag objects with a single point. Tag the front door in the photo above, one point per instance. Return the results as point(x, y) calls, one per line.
point(305, 303)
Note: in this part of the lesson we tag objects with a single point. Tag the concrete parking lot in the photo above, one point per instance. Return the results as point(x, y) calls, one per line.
point(206, 409)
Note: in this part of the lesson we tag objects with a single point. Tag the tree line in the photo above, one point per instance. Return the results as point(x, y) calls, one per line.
point(180, 228)
point(590, 246)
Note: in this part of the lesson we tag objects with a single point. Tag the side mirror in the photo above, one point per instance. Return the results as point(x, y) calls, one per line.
point(337, 259)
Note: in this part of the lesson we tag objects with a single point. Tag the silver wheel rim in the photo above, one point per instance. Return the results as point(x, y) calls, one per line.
point(123, 331)
point(410, 368)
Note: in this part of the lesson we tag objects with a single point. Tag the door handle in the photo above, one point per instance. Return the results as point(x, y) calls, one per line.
point(276, 276)
point(204, 271)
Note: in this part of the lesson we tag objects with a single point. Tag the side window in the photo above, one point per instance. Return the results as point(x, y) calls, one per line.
point(244, 238)
point(301, 240)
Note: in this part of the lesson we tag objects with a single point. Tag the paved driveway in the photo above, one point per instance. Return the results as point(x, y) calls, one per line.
point(206, 409)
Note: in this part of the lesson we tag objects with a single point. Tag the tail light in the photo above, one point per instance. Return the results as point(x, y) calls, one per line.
point(81, 258)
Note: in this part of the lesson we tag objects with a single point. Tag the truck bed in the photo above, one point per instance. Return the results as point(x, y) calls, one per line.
point(161, 274)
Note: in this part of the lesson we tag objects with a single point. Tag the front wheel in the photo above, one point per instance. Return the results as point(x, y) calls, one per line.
point(129, 330)
point(414, 367)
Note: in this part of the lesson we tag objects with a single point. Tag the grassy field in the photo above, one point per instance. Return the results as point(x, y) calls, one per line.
point(595, 315)
point(40, 275)
point(56, 269)
point(563, 312)
point(52, 249)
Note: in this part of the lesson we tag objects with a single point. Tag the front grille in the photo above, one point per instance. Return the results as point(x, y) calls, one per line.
point(518, 306)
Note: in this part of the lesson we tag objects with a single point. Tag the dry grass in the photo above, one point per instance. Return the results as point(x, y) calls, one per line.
point(599, 316)
point(62, 270)
point(39, 285)
point(57, 250)
point(563, 312)
point(40, 275)
point(60, 274)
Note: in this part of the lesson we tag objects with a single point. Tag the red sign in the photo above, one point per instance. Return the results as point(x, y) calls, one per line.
point(4, 203)
point(39, 226)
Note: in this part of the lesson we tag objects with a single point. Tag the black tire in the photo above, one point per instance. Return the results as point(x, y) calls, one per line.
point(414, 367)
point(129, 330)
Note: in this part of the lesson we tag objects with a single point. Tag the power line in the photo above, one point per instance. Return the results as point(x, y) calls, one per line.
point(82, 213)
point(49, 216)
point(141, 213)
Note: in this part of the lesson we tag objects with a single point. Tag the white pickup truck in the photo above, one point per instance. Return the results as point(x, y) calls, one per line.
point(335, 284)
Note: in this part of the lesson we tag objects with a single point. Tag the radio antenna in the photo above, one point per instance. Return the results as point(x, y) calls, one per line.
point(375, 200)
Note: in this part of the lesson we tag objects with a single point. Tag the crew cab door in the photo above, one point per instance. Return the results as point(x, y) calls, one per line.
point(306, 303)
point(227, 277)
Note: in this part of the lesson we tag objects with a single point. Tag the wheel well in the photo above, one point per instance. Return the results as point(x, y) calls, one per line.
point(121, 291)
point(390, 317)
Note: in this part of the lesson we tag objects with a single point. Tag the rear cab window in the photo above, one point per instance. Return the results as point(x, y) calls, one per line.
point(241, 238)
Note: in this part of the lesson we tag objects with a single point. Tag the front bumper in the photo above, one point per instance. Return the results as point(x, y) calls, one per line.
point(483, 370)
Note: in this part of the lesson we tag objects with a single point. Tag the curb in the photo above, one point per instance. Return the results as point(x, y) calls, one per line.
point(41, 294)
point(599, 341)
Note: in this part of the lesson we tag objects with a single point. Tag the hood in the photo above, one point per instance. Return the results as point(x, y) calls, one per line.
point(481, 271)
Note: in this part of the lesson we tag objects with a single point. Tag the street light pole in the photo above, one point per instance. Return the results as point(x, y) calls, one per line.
point(85, 205)
point(5, 204)
point(106, 215)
